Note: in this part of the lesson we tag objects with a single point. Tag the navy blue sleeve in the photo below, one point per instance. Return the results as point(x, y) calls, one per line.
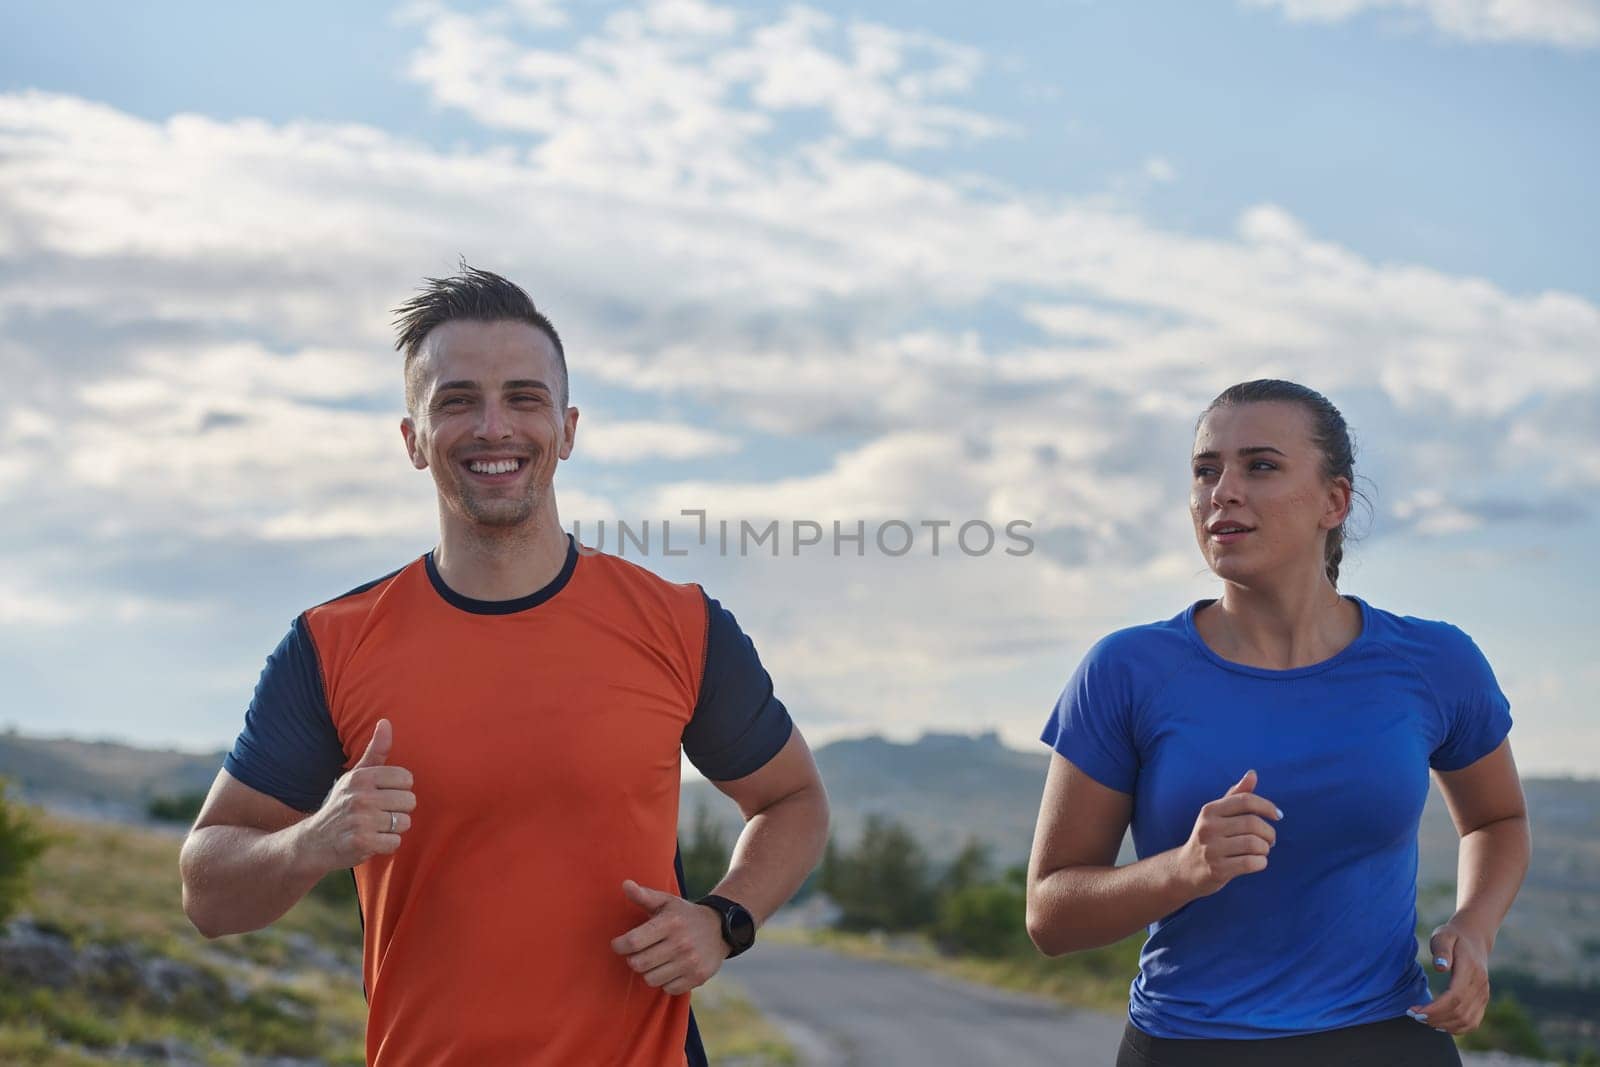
point(289, 748)
point(1092, 723)
point(738, 724)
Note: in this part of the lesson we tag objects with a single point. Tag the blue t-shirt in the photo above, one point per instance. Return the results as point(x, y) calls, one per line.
point(1325, 937)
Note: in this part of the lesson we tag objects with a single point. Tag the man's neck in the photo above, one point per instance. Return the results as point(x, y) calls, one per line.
point(1281, 625)
point(500, 563)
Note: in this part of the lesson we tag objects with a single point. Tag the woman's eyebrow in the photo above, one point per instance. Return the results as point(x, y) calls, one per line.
point(1251, 450)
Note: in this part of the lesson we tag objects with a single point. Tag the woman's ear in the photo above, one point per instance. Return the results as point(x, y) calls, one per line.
point(1340, 496)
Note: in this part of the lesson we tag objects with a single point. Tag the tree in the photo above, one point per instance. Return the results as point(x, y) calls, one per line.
point(882, 883)
point(705, 856)
point(969, 868)
point(21, 843)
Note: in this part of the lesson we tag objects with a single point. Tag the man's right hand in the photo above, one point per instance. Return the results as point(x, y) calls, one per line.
point(354, 823)
point(1232, 836)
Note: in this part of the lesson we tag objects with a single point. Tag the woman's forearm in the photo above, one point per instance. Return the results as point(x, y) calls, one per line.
point(1493, 862)
point(1078, 908)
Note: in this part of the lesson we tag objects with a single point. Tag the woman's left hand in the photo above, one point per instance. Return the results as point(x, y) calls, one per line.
point(1465, 956)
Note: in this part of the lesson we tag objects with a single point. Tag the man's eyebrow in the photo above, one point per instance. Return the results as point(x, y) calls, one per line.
point(461, 383)
point(526, 383)
point(1252, 450)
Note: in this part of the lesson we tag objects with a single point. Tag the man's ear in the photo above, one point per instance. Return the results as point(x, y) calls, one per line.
point(569, 427)
point(413, 440)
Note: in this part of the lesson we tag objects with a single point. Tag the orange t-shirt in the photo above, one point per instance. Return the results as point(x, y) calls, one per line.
point(544, 735)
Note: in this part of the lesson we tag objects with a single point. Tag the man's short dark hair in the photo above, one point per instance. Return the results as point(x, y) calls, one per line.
point(471, 294)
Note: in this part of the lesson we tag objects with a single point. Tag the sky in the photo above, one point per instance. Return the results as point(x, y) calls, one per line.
point(891, 263)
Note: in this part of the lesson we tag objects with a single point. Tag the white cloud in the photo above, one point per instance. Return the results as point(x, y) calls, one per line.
point(196, 314)
point(26, 603)
point(1564, 23)
point(1160, 170)
point(625, 442)
point(681, 88)
point(1429, 513)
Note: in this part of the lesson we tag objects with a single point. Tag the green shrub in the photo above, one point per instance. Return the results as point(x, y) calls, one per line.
point(179, 808)
point(705, 854)
point(337, 888)
point(1506, 1027)
point(983, 920)
point(21, 843)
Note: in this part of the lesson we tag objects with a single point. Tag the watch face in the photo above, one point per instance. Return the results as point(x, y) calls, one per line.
point(740, 926)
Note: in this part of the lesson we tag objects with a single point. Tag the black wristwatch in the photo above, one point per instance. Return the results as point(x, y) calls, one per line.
point(738, 925)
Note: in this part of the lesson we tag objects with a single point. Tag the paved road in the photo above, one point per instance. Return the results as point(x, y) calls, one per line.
point(839, 1011)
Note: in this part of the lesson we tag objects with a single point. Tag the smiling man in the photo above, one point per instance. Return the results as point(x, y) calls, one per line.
point(490, 738)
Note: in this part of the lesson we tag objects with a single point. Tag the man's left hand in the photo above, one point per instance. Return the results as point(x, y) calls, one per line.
point(1464, 955)
point(679, 947)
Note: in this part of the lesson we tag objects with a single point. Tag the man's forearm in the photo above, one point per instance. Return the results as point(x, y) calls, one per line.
point(777, 849)
point(1492, 864)
point(1078, 908)
point(237, 878)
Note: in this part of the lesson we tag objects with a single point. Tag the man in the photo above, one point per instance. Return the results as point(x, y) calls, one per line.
point(490, 737)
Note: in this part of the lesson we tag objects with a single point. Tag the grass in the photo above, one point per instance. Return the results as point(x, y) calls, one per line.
point(102, 883)
point(119, 886)
point(110, 885)
point(734, 1032)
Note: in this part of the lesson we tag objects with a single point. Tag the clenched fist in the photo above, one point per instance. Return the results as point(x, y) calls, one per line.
point(367, 810)
point(679, 948)
point(1232, 836)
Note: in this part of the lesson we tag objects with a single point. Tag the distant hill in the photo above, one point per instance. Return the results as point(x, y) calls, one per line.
point(947, 789)
point(100, 777)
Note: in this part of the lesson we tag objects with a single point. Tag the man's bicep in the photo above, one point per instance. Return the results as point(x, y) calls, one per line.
point(789, 772)
point(232, 803)
point(289, 749)
point(738, 724)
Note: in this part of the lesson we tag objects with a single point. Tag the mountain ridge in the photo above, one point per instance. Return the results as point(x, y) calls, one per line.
point(947, 789)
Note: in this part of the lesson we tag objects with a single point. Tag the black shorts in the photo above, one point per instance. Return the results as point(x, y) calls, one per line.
point(1397, 1042)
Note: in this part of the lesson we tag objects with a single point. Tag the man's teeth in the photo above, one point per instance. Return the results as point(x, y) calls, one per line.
point(499, 466)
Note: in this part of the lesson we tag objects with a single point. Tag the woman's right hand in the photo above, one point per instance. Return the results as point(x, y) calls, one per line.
point(1232, 836)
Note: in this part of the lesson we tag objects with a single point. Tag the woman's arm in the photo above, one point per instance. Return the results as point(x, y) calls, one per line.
point(1079, 899)
point(1485, 801)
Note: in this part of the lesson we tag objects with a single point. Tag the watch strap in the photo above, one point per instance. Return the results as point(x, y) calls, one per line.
point(725, 909)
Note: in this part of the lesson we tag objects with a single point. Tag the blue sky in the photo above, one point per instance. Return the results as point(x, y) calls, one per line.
point(893, 260)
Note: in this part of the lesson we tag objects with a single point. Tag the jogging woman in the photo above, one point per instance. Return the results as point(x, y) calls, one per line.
point(1271, 750)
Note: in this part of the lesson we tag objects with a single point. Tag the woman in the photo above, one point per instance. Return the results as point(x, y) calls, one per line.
point(1271, 749)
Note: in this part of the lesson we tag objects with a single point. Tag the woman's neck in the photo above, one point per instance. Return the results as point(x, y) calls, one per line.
point(1279, 625)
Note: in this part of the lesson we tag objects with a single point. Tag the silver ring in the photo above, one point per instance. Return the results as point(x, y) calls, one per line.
point(394, 820)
